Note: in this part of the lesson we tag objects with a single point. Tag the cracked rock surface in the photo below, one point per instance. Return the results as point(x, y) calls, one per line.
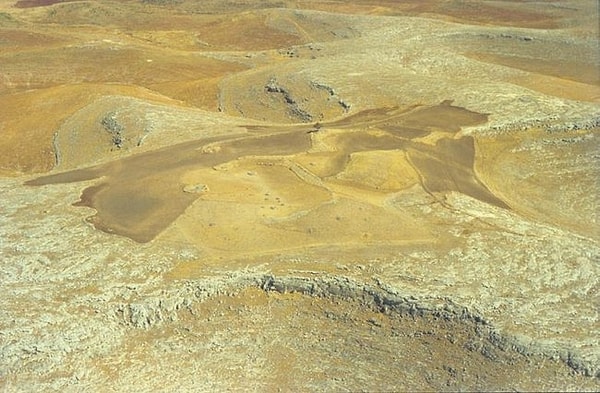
point(321, 196)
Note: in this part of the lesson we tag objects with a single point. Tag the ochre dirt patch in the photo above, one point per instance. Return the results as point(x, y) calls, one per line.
point(33, 117)
point(583, 72)
point(512, 14)
point(143, 194)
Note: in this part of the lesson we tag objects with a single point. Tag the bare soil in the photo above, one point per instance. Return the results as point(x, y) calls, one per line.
point(299, 195)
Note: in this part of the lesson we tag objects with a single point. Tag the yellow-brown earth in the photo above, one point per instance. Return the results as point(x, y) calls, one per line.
point(299, 195)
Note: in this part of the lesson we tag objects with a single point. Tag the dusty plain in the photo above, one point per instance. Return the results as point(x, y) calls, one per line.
point(299, 195)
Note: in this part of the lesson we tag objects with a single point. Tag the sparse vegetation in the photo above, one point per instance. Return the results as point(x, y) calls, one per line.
point(318, 195)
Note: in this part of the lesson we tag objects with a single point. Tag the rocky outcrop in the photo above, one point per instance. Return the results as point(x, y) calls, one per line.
point(294, 108)
point(116, 130)
point(156, 310)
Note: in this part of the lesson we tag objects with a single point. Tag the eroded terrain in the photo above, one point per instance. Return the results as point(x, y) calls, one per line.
point(299, 195)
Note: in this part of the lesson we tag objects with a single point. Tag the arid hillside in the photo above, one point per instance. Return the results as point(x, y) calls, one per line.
point(299, 195)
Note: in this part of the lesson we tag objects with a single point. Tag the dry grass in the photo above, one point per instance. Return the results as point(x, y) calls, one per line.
point(445, 151)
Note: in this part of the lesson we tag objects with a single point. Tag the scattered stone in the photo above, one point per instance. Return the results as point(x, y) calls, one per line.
point(195, 188)
point(293, 108)
point(111, 125)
